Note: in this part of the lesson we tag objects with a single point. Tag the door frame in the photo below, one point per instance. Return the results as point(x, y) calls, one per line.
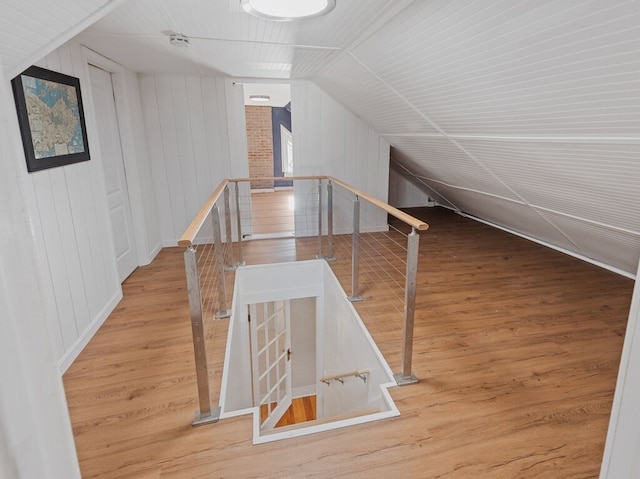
point(128, 143)
point(281, 407)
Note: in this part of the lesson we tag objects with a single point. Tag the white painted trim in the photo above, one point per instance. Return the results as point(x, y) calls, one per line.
point(592, 261)
point(154, 252)
point(303, 391)
point(262, 190)
point(169, 243)
point(622, 412)
point(63, 38)
point(613, 140)
point(74, 351)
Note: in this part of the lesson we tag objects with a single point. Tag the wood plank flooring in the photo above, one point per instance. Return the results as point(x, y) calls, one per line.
point(271, 212)
point(516, 346)
point(301, 410)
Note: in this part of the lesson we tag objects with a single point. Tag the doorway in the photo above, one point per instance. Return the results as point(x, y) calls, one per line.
point(114, 172)
point(270, 155)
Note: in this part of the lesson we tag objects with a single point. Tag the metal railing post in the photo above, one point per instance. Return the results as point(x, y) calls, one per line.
point(206, 414)
point(227, 227)
point(239, 224)
point(406, 376)
point(219, 260)
point(330, 256)
point(319, 255)
point(355, 253)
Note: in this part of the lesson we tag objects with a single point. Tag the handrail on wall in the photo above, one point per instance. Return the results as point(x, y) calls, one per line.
point(190, 233)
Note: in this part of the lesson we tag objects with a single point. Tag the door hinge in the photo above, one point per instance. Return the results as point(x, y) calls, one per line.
point(289, 354)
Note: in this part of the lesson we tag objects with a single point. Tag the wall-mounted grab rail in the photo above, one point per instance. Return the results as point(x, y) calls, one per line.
point(359, 373)
point(209, 256)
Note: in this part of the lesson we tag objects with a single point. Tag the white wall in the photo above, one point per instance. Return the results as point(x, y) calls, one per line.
point(35, 432)
point(347, 346)
point(303, 345)
point(403, 193)
point(330, 140)
point(74, 249)
point(622, 450)
point(195, 131)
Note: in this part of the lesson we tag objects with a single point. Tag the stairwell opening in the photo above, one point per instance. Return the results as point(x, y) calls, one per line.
point(293, 336)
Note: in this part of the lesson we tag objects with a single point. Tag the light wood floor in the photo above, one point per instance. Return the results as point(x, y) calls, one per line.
point(271, 212)
point(516, 347)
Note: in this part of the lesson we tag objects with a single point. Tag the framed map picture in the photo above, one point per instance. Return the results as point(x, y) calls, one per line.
point(51, 118)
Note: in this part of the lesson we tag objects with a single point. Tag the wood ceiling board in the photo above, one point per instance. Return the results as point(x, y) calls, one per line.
point(371, 99)
point(30, 27)
point(570, 73)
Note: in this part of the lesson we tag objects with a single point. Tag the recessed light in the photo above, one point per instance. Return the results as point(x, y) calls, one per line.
point(260, 98)
point(288, 10)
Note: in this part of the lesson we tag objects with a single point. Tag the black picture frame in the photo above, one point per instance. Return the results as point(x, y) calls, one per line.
point(51, 118)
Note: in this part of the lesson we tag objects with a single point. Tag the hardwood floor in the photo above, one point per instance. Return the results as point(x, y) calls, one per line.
point(301, 410)
point(516, 346)
point(271, 212)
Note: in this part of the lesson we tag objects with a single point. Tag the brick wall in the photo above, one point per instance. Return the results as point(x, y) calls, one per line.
point(259, 144)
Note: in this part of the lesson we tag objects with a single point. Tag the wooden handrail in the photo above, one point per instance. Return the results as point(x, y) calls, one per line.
point(402, 216)
point(190, 233)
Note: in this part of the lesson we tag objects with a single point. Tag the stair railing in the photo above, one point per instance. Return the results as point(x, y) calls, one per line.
point(215, 237)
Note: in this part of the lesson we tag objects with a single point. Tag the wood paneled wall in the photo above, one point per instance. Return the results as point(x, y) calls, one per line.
point(35, 432)
point(330, 140)
point(68, 206)
point(195, 130)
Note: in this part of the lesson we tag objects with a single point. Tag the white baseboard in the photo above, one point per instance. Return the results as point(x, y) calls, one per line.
point(586, 259)
point(304, 391)
point(154, 252)
point(77, 347)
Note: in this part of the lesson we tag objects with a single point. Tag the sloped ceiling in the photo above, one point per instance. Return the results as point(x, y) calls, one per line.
point(33, 28)
point(525, 113)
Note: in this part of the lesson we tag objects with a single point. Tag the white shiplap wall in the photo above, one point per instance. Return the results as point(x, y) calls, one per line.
point(36, 439)
point(81, 286)
point(330, 140)
point(71, 222)
point(195, 131)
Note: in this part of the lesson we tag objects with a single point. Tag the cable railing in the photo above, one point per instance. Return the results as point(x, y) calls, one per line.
point(371, 246)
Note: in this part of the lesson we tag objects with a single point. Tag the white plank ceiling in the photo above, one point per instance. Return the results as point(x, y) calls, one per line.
point(525, 113)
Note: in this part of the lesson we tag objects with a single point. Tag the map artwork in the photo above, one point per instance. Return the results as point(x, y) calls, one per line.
point(54, 117)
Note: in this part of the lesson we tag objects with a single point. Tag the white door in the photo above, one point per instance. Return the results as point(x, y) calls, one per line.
point(271, 360)
point(114, 173)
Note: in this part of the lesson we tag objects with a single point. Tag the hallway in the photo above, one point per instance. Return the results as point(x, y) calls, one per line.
point(516, 346)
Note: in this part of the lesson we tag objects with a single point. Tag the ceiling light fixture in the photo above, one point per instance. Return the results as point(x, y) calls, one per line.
point(260, 98)
point(288, 10)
